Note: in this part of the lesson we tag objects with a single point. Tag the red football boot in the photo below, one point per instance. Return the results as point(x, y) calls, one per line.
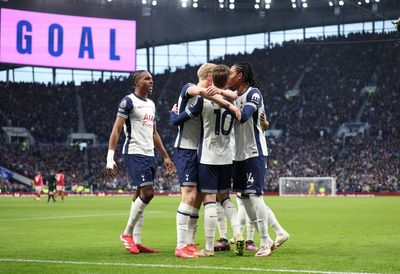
point(143, 249)
point(129, 243)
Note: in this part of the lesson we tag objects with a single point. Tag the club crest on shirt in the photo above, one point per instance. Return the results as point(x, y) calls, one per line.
point(123, 104)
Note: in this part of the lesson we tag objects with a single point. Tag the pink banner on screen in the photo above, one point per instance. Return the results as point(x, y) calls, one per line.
point(52, 40)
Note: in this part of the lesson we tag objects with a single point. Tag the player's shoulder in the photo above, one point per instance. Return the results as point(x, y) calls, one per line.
point(184, 90)
point(128, 99)
point(254, 95)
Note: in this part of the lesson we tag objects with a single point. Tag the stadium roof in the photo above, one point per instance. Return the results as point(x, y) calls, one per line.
point(168, 22)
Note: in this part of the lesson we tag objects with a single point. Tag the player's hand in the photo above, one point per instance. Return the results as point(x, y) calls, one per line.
point(111, 167)
point(175, 109)
point(236, 111)
point(211, 90)
point(169, 165)
point(264, 122)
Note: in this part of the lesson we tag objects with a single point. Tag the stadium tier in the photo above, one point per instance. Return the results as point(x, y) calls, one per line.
point(310, 89)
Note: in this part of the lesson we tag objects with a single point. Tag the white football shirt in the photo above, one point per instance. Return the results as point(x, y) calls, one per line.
point(139, 118)
point(216, 126)
point(189, 132)
point(249, 137)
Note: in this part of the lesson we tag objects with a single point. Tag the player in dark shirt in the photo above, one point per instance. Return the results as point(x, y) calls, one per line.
point(51, 185)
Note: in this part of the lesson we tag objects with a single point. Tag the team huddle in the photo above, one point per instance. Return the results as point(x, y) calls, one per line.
point(220, 147)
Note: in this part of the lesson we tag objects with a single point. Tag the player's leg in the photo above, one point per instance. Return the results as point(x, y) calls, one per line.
point(224, 187)
point(231, 213)
point(208, 183)
point(245, 222)
point(281, 234)
point(250, 235)
point(240, 186)
point(210, 223)
point(193, 221)
point(183, 217)
point(222, 244)
point(255, 169)
point(186, 164)
point(141, 170)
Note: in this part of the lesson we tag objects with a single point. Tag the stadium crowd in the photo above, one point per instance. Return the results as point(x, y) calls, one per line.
point(329, 74)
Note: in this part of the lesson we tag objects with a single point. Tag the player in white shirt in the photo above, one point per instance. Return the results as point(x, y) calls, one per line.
point(250, 157)
point(215, 159)
point(185, 157)
point(136, 115)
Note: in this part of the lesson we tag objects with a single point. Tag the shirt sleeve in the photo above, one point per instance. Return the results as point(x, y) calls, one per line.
point(195, 108)
point(254, 98)
point(247, 112)
point(184, 91)
point(125, 107)
point(191, 111)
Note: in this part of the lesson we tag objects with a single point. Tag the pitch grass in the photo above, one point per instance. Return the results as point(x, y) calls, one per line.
point(328, 234)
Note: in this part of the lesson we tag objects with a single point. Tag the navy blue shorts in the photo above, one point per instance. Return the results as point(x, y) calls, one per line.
point(248, 175)
point(214, 178)
point(141, 170)
point(186, 166)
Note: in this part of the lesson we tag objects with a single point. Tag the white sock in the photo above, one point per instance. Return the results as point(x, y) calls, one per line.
point(182, 222)
point(210, 224)
point(273, 222)
point(230, 211)
point(192, 226)
point(137, 230)
point(241, 215)
point(262, 218)
point(137, 208)
point(249, 208)
point(250, 229)
point(221, 221)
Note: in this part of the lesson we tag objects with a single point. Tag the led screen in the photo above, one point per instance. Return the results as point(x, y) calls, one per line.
point(52, 40)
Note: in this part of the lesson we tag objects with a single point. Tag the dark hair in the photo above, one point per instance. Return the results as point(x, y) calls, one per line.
point(220, 75)
point(135, 75)
point(248, 74)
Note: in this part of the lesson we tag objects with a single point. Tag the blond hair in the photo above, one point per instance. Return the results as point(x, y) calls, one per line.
point(204, 70)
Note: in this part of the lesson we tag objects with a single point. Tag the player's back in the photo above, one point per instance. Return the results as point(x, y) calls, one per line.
point(189, 132)
point(217, 123)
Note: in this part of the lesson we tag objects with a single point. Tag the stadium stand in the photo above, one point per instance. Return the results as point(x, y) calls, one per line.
point(329, 74)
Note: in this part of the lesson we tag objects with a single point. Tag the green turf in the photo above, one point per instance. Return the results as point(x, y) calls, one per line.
point(328, 234)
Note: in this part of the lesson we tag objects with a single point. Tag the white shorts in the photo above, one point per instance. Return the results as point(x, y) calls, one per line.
point(60, 188)
point(38, 188)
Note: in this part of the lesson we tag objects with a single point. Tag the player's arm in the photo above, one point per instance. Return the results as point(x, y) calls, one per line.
point(189, 112)
point(264, 122)
point(195, 90)
point(169, 165)
point(253, 103)
point(226, 93)
point(225, 104)
point(111, 168)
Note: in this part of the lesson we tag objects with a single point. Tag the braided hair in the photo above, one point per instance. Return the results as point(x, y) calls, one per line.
point(134, 76)
point(248, 74)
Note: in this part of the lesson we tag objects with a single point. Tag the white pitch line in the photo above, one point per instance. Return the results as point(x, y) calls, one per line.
point(180, 266)
point(77, 216)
